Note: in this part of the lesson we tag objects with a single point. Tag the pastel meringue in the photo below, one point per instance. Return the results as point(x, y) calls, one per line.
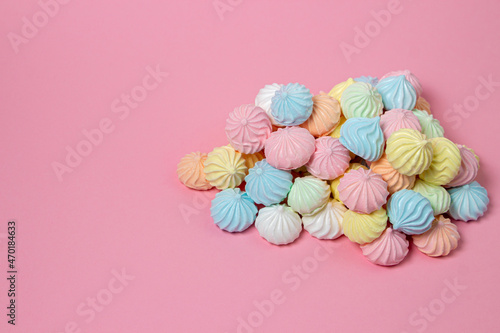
point(325, 115)
point(396, 119)
point(440, 239)
point(247, 128)
point(308, 194)
point(437, 196)
point(397, 93)
point(410, 77)
point(291, 105)
point(336, 131)
point(409, 151)
point(278, 224)
point(387, 250)
point(410, 212)
point(469, 167)
point(423, 105)
point(430, 125)
point(251, 159)
point(363, 137)
point(367, 79)
point(335, 182)
point(233, 210)
point(395, 180)
point(468, 202)
point(329, 160)
point(445, 163)
point(267, 185)
point(289, 148)
point(364, 228)
point(225, 168)
point(363, 191)
point(190, 171)
point(327, 222)
point(264, 97)
point(339, 88)
point(361, 99)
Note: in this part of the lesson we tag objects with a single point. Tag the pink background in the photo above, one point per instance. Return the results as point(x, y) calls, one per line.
point(121, 207)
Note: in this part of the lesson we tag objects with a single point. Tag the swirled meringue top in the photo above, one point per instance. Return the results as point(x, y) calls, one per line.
point(397, 93)
point(387, 250)
point(410, 212)
point(469, 167)
point(225, 168)
point(364, 228)
point(190, 171)
point(289, 148)
point(410, 77)
point(327, 222)
point(440, 239)
point(363, 137)
point(396, 119)
point(264, 97)
point(468, 202)
point(233, 210)
point(325, 115)
point(278, 224)
point(329, 160)
point(445, 163)
point(267, 185)
point(409, 151)
point(308, 194)
point(291, 105)
point(247, 128)
point(361, 99)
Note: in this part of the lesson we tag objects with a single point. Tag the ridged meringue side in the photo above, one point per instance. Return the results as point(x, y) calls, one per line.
point(289, 148)
point(251, 159)
point(225, 168)
point(445, 163)
point(469, 167)
point(363, 137)
point(360, 99)
point(387, 250)
point(264, 97)
point(395, 180)
point(325, 115)
point(247, 128)
point(364, 228)
point(329, 160)
point(278, 224)
point(430, 125)
point(367, 79)
point(410, 212)
point(339, 88)
point(335, 183)
point(308, 194)
point(363, 191)
point(396, 119)
point(468, 202)
point(233, 210)
point(291, 105)
point(397, 93)
point(423, 105)
point(190, 171)
point(440, 239)
point(437, 196)
point(410, 77)
point(327, 222)
point(409, 152)
point(336, 131)
point(267, 185)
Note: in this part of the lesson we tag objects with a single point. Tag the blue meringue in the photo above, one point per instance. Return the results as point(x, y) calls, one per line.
point(233, 210)
point(468, 202)
point(267, 185)
point(410, 212)
point(291, 105)
point(367, 79)
point(397, 93)
point(363, 137)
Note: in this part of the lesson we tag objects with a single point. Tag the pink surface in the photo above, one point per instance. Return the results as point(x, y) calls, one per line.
point(122, 206)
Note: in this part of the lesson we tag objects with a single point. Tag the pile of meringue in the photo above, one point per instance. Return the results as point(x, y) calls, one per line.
point(367, 160)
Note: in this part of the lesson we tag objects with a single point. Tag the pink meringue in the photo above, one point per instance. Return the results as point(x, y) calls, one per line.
point(330, 159)
point(247, 128)
point(469, 168)
point(363, 191)
point(396, 119)
point(289, 148)
point(440, 239)
point(387, 250)
point(410, 77)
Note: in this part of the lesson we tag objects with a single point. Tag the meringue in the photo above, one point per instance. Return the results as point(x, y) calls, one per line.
point(409, 151)
point(437, 196)
point(360, 99)
point(410, 212)
point(233, 210)
point(251, 159)
point(335, 182)
point(367, 79)
point(363, 191)
point(338, 89)
point(325, 115)
point(410, 77)
point(387, 250)
point(336, 131)
point(395, 180)
point(396, 119)
point(225, 168)
point(397, 93)
point(423, 105)
point(289, 148)
point(308, 194)
point(440, 239)
point(291, 105)
point(445, 163)
point(278, 224)
point(329, 160)
point(469, 167)
point(190, 171)
point(364, 228)
point(247, 128)
point(468, 202)
point(327, 222)
point(430, 125)
point(264, 97)
point(363, 137)
point(267, 185)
